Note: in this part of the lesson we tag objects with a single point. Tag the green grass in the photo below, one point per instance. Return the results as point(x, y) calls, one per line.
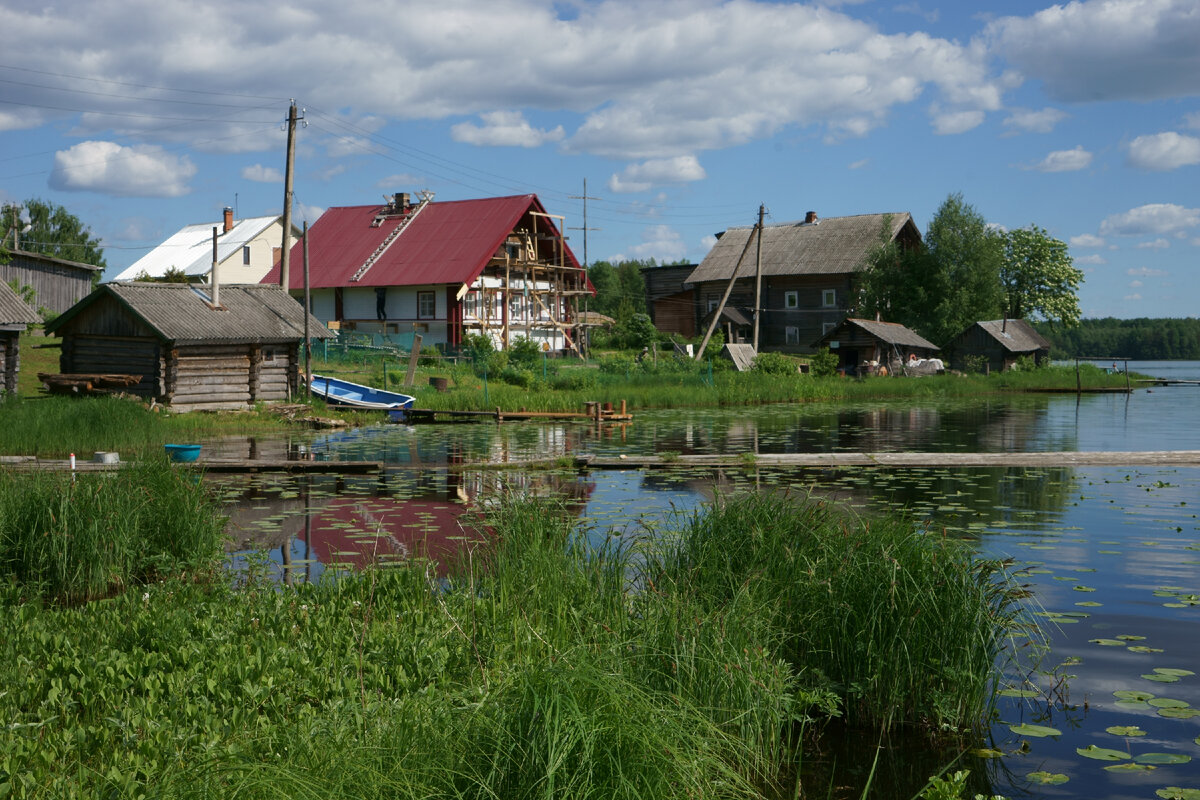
point(542, 668)
point(69, 538)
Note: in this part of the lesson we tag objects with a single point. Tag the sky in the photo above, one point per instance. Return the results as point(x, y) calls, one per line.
point(680, 117)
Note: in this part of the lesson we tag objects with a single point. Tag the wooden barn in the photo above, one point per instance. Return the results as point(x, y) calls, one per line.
point(191, 352)
point(15, 314)
point(57, 283)
point(864, 345)
point(999, 343)
point(670, 301)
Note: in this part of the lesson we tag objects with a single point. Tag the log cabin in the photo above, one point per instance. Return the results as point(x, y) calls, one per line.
point(194, 349)
point(15, 315)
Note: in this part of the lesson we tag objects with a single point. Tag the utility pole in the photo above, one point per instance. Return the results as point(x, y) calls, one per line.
point(307, 306)
point(286, 251)
point(584, 197)
point(758, 277)
point(754, 233)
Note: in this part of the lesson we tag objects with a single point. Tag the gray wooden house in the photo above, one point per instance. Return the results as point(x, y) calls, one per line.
point(1000, 342)
point(57, 283)
point(865, 345)
point(15, 315)
point(808, 270)
point(191, 353)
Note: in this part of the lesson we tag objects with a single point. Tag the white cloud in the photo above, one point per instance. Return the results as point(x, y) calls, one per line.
point(660, 242)
point(1043, 121)
point(1132, 297)
point(346, 146)
point(642, 177)
point(1087, 240)
point(1146, 272)
point(1152, 219)
point(1065, 160)
point(1157, 244)
point(951, 122)
point(306, 213)
point(109, 168)
point(862, 162)
point(1100, 50)
point(1135, 284)
point(1094, 258)
point(504, 129)
point(397, 182)
point(260, 174)
point(708, 242)
point(1164, 151)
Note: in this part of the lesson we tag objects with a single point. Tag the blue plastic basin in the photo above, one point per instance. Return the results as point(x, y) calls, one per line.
point(182, 452)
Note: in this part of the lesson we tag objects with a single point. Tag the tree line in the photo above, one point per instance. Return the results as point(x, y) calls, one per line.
point(1143, 339)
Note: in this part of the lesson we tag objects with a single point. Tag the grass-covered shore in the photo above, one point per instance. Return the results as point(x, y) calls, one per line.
point(691, 665)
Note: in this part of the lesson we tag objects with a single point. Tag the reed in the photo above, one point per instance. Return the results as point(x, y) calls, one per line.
point(79, 537)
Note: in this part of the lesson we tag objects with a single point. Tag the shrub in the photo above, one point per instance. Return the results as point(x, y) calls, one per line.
point(518, 376)
point(524, 353)
point(976, 364)
point(485, 358)
point(774, 364)
point(824, 363)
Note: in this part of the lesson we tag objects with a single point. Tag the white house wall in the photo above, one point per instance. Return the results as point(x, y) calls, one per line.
point(262, 258)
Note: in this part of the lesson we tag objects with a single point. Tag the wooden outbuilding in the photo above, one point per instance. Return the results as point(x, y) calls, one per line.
point(190, 352)
point(57, 283)
point(670, 300)
point(864, 346)
point(15, 315)
point(996, 345)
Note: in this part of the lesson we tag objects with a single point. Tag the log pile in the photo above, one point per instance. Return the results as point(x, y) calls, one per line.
point(87, 383)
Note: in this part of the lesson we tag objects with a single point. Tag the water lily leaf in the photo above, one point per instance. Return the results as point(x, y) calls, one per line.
point(1179, 713)
point(1129, 766)
point(1129, 637)
point(1125, 730)
point(1035, 731)
point(1133, 694)
point(1084, 589)
point(1089, 603)
point(987, 752)
point(1155, 676)
point(1141, 648)
point(1163, 758)
point(1047, 778)
point(1168, 702)
point(1101, 753)
point(1180, 673)
point(1019, 693)
point(1107, 642)
point(1178, 793)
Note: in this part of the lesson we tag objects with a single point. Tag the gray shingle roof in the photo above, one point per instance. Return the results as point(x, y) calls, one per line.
point(14, 310)
point(889, 332)
point(1015, 335)
point(183, 312)
point(836, 245)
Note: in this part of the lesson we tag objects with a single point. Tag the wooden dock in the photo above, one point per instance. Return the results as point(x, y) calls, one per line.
point(1166, 382)
point(593, 412)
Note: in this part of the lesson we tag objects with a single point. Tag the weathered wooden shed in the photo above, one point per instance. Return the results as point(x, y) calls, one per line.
point(670, 301)
point(191, 353)
point(57, 283)
point(1000, 341)
point(15, 314)
point(863, 345)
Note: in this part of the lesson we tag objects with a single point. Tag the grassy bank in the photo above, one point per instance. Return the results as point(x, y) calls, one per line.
point(683, 667)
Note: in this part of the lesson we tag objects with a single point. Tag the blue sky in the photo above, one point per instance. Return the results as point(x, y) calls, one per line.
point(1084, 118)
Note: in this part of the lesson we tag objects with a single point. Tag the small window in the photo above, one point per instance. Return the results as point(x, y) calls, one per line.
point(791, 335)
point(826, 327)
point(246, 254)
point(712, 305)
point(791, 299)
point(426, 305)
point(829, 298)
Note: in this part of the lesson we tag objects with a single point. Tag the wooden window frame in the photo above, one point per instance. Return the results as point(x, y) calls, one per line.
point(791, 299)
point(431, 297)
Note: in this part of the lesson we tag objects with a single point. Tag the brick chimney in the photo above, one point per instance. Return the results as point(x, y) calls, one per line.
point(229, 219)
point(810, 218)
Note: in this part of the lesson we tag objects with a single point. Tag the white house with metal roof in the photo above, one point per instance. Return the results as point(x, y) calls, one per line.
point(246, 251)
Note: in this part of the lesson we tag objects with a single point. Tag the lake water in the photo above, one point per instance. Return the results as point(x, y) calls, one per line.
point(1112, 555)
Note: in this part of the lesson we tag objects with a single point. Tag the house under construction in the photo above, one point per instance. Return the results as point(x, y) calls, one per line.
point(499, 267)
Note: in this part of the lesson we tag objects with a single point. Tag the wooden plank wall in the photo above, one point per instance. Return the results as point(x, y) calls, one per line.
point(10, 361)
point(58, 286)
point(122, 355)
point(202, 377)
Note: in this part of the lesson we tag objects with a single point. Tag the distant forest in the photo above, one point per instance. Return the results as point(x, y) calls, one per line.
point(1142, 339)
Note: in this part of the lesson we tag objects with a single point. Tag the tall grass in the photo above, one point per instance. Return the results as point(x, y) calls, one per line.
point(75, 538)
point(541, 668)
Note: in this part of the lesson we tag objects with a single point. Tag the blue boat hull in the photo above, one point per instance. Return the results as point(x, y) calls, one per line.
point(337, 392)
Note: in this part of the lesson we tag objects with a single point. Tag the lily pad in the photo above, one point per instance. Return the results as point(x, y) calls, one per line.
point(1019, 693)
point(1101, 753)
point(988, 752)
point(1034, 731)
point(1107, 642)
point(1158, 676)
point(1140, 648)
point(1168, 702)
point(1125, 730)
point(1047, 778)
point(1133, 694)
point(1179, 713)
point(1178, 793)
point(1179, 673)
point(1129, 766)
point(1163, 758)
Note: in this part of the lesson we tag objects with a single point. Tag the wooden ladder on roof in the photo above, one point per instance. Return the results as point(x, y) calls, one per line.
point(426, 197)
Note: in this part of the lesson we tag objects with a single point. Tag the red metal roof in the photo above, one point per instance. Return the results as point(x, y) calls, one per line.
point(447, 243)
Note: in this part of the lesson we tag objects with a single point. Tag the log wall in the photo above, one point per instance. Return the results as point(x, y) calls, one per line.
point(120, 355)
point(10, 361)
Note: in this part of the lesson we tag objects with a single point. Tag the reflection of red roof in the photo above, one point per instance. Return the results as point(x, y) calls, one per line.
point(342, 532)
point(447, 243)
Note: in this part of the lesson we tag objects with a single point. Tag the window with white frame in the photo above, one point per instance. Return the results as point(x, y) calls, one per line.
point(426, 305)
point(829, 298)
point(791, 299)
point(712, 304)
point(791, 335)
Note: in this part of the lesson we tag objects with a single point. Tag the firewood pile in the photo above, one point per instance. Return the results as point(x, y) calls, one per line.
point(87, 383)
